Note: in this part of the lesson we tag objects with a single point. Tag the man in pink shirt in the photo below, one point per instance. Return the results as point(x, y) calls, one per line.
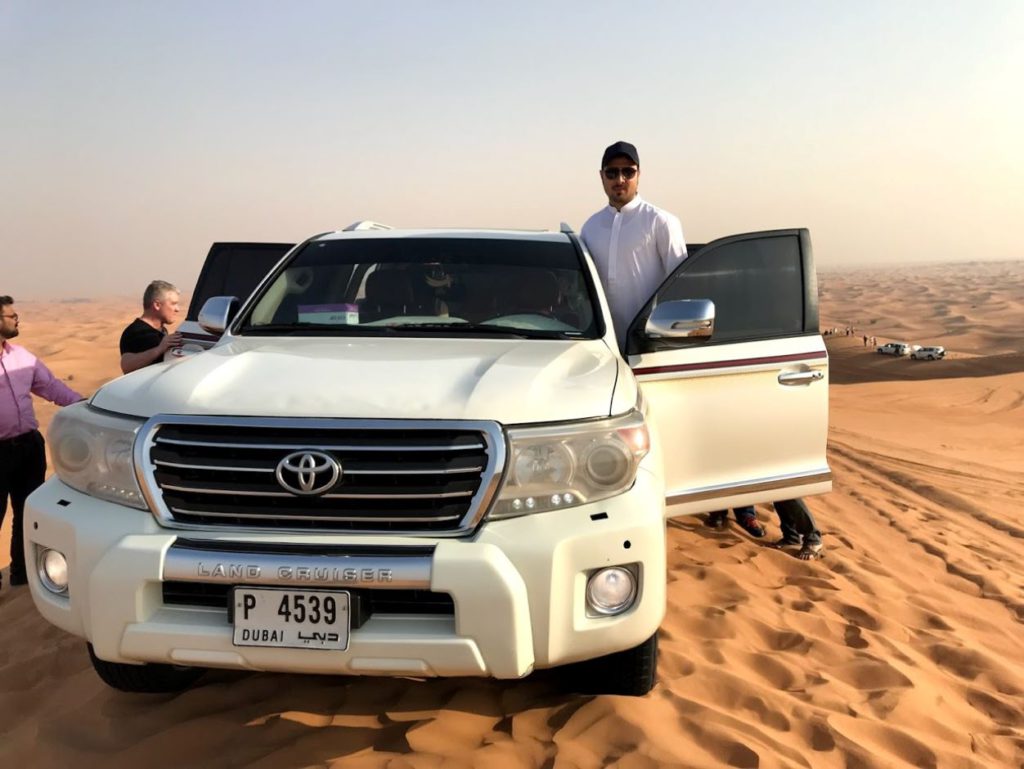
point(22, 451)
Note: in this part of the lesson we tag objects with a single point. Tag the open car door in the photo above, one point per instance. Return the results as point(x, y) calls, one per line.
point(230, 269)
point(740, 395)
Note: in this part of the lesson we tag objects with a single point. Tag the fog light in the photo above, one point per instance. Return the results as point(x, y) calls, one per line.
point(611, 591)
point(53, 571)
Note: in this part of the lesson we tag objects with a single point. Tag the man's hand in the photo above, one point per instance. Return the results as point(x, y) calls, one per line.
point(133, 361)
point(170, 342)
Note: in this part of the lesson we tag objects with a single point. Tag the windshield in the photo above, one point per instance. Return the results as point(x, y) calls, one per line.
point(429, 285)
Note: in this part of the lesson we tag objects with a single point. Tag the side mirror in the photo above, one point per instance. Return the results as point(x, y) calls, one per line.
point(682, 319)
point(217, 313)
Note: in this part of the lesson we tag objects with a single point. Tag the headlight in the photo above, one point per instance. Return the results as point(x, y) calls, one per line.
point(572, 464)
point(92, 452)
point(608, 465)
point(544, 463)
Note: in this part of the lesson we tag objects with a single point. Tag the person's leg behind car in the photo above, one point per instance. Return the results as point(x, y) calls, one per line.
point(798, 528)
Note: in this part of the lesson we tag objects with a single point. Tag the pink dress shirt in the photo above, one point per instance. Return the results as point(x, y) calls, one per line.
point(21, 374)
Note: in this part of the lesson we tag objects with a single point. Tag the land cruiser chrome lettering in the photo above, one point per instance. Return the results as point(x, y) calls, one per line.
point(229, 570)
point(333, 574)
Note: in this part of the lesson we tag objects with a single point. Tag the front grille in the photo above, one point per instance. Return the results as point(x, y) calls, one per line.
point(364, 602)
point(418, 477)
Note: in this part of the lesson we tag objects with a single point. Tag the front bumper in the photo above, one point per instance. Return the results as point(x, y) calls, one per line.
point(517, 587)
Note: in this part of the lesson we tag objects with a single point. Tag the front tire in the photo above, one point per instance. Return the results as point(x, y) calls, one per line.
point(631, 672)
point(146, 679)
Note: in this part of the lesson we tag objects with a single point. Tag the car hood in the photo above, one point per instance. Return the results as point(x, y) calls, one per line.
point(509, 381)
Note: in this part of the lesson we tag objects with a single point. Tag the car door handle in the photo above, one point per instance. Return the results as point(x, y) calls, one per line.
point(800, 377)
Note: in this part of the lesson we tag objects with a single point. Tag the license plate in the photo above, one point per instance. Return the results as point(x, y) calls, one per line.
point(297, 619)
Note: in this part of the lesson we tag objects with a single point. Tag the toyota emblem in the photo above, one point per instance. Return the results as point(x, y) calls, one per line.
point(308, 473)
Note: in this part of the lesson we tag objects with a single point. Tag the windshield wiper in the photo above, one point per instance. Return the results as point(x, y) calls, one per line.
point(490, 329)
point(342, 329)
point(300, 327)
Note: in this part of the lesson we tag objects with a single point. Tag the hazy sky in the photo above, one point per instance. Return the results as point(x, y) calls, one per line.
point(134, 134)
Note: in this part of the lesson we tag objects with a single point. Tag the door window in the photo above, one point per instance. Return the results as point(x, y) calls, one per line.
point(757, 285)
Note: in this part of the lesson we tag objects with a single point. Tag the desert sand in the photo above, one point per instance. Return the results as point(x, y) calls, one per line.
point(902, 648)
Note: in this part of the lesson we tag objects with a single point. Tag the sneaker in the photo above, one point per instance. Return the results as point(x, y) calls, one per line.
point(717, 520)
point(750, 525)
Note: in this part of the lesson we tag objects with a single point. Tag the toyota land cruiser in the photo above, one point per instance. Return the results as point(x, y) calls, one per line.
point(422, 453)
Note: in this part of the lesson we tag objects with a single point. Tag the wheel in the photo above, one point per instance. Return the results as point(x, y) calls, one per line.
point(631, 672)
point(149, 679)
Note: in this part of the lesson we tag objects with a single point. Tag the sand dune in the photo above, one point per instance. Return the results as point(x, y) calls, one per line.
point(902, 648)
point(968, 308)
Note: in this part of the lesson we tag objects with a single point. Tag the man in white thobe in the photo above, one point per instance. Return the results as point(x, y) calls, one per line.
point(635, 245)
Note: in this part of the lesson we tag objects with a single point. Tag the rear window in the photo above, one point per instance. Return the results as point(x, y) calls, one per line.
point(532, 287)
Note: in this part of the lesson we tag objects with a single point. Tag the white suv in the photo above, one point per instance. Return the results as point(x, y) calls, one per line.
point(894, 348)
point(929, 353)
point(421, 453)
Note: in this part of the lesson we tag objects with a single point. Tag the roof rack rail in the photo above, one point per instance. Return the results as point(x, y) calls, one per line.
point(566, 228)
point(366, 224)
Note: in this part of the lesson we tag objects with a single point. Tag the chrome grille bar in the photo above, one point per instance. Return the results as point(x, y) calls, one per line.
point(318, 444)
point(241, 469)
point(221, 468)
point(351, 518)
point(446, 471)
point(286, 495)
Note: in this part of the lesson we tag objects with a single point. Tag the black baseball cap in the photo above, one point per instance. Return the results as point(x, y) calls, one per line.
point(620, 149)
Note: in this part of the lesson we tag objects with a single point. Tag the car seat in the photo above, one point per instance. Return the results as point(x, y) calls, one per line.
point(388, 293)
point(531, 290)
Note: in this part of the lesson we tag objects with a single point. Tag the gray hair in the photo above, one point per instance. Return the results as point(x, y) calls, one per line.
point(155, 291)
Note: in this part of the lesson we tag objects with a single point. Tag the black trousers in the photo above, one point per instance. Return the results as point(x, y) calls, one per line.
point(796, 521)
point(22, 471)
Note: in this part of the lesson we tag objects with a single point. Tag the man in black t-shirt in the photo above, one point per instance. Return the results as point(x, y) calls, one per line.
point(145, 340)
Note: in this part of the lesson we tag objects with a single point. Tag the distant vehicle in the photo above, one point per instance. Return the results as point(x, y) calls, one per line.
point(929, 353)
point(894, 348)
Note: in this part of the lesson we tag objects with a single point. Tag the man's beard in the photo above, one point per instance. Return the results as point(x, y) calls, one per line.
point(9, 334)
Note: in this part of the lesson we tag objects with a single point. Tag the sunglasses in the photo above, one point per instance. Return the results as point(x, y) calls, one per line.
point(611, 174)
